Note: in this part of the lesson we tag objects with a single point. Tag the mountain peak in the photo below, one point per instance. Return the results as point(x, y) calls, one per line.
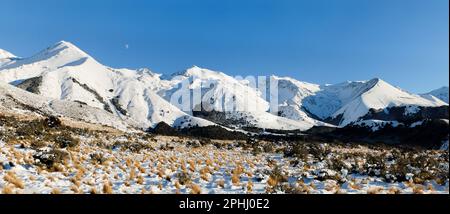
point(198, 72)
point(64, 45)
point(63, 51)
point(5, 54)
point(376, 79)
point(62, 42)
point(441, 93)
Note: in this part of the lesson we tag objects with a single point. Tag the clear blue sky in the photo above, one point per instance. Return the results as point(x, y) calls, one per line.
point(405, 42)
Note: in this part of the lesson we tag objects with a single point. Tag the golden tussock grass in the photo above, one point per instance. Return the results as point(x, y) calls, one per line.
point(161, 173)
point(238, 170)
point(93, 191)
point(195, 189)
point(191, 165)
point(142, 169)
point(418, 189)
point(90, 182)
point(183, 166)
point(8, 189)
point(140, 180)
point(272, 181)
point(11, 177)
point(32, 178)
point(249, 186)
point(235, 179)
point(75, 181)
point(128, 162)
point(58, 168)
point(355, 186)
point(394, 190)
point(177, 185)
point(204, 176)
point(56, 191)
point(107, 188)
point(208, 162)
point(75, 189)
point(132, 174)
point(374, 190)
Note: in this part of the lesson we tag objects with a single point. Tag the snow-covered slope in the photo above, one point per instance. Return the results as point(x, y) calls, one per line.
point(343, 103)
point(235, 100)
point(5, 54)
point(65, 72)
point(15, 99)
point(440, 93)
point(5, 57)
point(219, 91)
point(291, 94)
point(379, 95)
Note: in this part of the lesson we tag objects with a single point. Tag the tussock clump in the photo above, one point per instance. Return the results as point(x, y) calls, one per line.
point(50, 158)
point(52, 122)
point(195, 189)
point(7, 189)
point(132, 146)
point(276, 180)
point(374, 190)
point(65, 140)
point(298, 150)
point(221, 183)
point(97, 158)
point(183, 178)
point(11, 178)
point(319, 151)
point(107, 188)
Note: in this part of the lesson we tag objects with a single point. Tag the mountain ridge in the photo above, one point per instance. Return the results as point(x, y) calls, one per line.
point(65, 72)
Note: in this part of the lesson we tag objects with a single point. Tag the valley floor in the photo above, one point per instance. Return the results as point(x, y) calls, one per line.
point(37, 156)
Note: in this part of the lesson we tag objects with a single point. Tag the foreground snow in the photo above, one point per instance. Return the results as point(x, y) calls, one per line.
point(104, 160)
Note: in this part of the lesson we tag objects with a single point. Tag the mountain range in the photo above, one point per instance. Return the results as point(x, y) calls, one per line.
point(64, 80)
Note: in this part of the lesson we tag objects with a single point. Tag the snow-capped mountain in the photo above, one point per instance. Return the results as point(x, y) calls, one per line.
point(5, 54)
point(440, 93)
point(229, 101)
point(65, 72)
point(5, 57)
point(343, 103)
point(378, 94)
point(291, 94)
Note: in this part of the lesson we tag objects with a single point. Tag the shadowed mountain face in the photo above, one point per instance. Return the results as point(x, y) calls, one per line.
point(404, 114)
